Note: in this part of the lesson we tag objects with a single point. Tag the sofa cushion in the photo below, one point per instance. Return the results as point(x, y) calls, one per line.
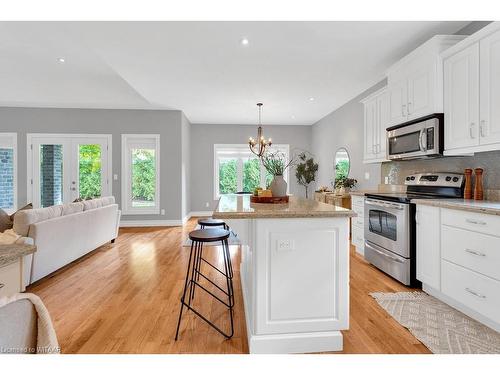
point(98, 202)
point(29, 206)
point(72, 208)
point(5, 221)
point(25, 218)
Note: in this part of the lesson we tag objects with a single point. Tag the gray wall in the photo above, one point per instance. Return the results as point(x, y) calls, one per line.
point(104, 121)
point(344, 127)
point(203, 138)
point(186, 166)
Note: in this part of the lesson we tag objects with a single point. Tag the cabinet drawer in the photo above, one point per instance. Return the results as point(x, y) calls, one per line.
point(488, 224)
point(358, 200)
point(479, 252)
point(358, 239)
point(10, 279)
point(472, 289)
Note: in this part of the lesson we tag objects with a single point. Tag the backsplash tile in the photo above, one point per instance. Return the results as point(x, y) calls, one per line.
point(396, 171)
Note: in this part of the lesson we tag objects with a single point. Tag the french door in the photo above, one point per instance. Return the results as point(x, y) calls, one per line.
point(66, 167)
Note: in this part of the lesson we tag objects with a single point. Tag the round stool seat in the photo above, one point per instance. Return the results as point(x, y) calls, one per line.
point(209, 235)
point(210, 222)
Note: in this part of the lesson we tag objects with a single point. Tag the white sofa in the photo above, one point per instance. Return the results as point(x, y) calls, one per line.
point(65, 233)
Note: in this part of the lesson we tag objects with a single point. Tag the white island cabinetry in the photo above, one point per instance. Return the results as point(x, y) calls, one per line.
point(294, 273)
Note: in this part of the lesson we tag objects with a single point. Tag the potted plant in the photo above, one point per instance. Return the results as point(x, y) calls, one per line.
point(344, 184)
point(276, 164)
point(305, 171)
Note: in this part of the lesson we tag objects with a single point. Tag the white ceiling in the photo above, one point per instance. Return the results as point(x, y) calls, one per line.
point(202, 68)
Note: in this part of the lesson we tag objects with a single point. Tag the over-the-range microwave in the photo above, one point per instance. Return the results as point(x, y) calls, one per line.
point(420, 138)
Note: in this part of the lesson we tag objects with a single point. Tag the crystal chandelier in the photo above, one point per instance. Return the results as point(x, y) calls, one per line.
point(258, 146)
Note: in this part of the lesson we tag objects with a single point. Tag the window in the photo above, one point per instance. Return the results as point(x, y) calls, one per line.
point(8, 172)
point(237, 169)
point(141, 174)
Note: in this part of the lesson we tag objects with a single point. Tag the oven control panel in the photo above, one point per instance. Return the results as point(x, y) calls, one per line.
point(435, 179)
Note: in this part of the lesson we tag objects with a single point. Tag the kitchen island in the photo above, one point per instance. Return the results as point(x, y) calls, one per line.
point(294, 272)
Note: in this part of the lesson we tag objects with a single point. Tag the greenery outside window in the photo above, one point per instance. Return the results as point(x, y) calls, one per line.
point(141, 174)
point(238, 170)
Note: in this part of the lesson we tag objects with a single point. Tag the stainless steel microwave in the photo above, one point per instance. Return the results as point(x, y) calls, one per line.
point(420, 138)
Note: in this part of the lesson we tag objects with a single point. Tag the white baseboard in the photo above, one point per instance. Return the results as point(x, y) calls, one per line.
point(200, 213)
point(150, 223)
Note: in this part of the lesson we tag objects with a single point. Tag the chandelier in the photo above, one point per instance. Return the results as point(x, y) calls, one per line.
point(258, 146)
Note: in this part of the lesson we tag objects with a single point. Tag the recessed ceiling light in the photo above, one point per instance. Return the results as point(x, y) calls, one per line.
point(293, 116)
point(311, 99)
point(244, 41)
point(62, 60)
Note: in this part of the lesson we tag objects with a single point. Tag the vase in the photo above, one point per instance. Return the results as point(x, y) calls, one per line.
point(278, 186)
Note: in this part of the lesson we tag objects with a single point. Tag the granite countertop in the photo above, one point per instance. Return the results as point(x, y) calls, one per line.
point(483, 207)
point(235, 206)
point(10, 253)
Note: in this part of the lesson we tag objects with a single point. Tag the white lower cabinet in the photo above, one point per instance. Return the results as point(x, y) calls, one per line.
point(458, 260)
point(11, 278)
point(358, 224)
point(428, 246)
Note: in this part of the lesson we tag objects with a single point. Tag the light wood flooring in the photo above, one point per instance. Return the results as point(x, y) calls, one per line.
point(124, 298)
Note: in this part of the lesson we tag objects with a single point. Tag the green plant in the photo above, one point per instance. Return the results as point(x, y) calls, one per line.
point(342, 168)
point(345, 182)
point(275, 163)
point(90, 171)
point(143, 175)
point(305, 171)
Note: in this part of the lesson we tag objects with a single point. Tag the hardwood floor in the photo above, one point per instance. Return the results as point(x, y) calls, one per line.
point(124, 298)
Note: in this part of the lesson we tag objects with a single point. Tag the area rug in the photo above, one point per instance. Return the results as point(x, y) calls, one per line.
point(438, 326)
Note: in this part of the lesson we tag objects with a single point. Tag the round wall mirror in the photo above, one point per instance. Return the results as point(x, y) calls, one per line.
point(342, 164)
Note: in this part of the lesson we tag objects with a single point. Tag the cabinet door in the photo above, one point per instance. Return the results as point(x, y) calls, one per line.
point(461, 98)
point(398, 99)
point(420, 101)
point(490, 89)
point(429, 246)
point(370, 133)
point(383, 124)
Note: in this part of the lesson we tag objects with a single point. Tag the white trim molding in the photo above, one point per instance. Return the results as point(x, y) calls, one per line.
point(139, 141)
point(150, 223)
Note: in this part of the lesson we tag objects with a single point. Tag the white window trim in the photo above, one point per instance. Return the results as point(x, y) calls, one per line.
point(9, 140)
point(30, 137)
point(240, 148)
point(127, 208)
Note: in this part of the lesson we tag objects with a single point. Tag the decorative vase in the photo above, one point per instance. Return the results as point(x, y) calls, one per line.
point(278, 186)
point(342, 190)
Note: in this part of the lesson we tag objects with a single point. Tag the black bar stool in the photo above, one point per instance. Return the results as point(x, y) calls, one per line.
point(211, 222)
point(198, 238)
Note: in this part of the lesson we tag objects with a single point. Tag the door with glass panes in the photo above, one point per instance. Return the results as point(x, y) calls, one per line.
point(67, 168)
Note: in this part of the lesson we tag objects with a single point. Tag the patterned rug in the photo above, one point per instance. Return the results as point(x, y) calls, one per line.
point(438, 326)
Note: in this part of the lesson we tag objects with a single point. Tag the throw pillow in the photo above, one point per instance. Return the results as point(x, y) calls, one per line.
point(5, 221)
point(29, 206)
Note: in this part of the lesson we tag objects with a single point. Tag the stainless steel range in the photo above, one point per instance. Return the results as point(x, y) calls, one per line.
point(390, 238)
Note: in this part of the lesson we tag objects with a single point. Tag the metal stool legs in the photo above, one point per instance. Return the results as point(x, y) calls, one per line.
point(191, 282)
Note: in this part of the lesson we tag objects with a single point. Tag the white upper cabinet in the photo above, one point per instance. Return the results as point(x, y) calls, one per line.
point(461, 100)
point(415, 83)
point(472, 93)
point(376, 112)
point(490, 89)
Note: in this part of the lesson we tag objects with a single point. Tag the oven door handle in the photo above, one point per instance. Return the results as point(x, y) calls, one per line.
point(372, 247)
point(421, 143)
point(384, 204)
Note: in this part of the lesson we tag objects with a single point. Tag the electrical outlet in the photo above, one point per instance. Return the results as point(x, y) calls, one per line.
point(367, 175)
point(285, 245)
point(207, 204)
point(162, 211)
point(386, 180)
point(115, 177)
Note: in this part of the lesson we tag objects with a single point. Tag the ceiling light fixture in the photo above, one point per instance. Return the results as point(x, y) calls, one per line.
point(311, 99)
point(245, 41)
point(61, 60)
point(262, 143)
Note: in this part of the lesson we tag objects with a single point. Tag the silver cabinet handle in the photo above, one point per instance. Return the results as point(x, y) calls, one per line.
point(468, 290)
point(403, 110)
point(408, 108)
point(481, 128)
point(471, 130)
point(384, 254)
point(473, 252)
point(477, 222)
point(1, 285)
